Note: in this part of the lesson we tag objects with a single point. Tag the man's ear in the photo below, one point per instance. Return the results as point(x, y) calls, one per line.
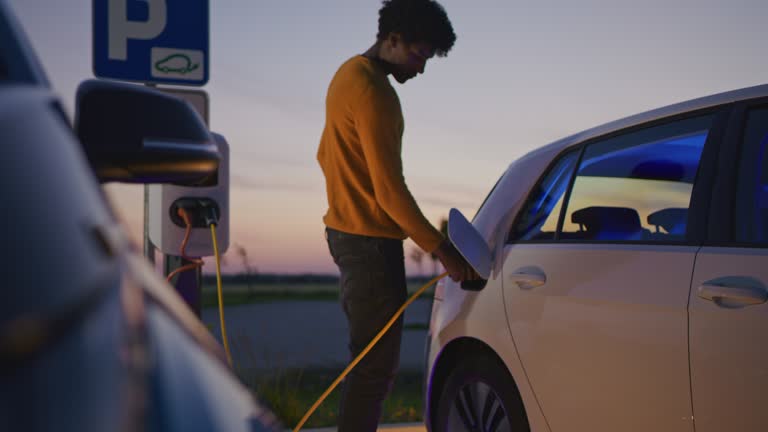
point(394, 39)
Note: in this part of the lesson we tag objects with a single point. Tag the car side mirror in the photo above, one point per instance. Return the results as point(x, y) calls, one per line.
point(472, 246)
point(136, 134)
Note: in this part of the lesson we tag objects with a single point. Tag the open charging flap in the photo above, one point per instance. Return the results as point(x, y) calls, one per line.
point(471, 245)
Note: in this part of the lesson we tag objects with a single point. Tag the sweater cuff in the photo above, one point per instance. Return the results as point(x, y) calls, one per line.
point(429, 242)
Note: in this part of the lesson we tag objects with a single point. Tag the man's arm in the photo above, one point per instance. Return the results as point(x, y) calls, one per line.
point(377, 123)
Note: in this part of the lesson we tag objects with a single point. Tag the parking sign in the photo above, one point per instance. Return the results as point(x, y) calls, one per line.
point(156, 41)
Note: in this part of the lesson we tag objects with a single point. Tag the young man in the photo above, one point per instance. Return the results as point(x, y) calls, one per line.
point(371, 209)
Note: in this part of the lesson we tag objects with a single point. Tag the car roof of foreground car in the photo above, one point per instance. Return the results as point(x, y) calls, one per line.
point(18, 61)
point(657, 114)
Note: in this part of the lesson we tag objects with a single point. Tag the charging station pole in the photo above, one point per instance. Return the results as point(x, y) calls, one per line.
point(149, 248)
point(167, 232)
point(188, 284)
point(154, 42)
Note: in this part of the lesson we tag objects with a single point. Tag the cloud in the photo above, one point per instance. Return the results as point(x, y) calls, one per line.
point(446, 188)
point(272, 160)
point(244, 182)
point(448, 202)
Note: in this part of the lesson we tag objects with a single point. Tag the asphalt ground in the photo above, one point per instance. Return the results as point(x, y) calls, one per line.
point(306, 334)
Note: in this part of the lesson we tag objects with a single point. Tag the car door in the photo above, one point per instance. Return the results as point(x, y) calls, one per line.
point(597, 274)
point(728, 310)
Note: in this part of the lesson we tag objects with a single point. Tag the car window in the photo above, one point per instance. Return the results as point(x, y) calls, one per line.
point(538, 218)
point(637, 186)
point(751, 221)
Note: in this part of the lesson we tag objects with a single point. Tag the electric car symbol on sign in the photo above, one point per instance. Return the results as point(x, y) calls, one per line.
point(176, 63)
point(628, 283)
point(91, 339)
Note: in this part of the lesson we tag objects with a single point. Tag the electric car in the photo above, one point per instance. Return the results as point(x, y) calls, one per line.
point(91, 339)
point(628, 282)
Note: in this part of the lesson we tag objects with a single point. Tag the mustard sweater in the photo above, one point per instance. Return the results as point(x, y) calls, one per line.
point(359, 154)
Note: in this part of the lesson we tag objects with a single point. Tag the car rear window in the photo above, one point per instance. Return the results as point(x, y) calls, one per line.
point(637, 186)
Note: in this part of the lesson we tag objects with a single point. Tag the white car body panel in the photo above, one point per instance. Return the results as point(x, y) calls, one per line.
point(591, 336)
point(465, 314)
point(729, 353)
point(459, 319)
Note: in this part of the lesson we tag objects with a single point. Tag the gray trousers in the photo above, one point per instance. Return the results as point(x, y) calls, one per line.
point(372, 289)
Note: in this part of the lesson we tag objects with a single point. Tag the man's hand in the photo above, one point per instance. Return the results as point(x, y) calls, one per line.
point(456, 266)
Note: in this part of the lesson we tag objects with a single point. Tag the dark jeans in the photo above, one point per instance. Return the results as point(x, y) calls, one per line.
point(372, 289)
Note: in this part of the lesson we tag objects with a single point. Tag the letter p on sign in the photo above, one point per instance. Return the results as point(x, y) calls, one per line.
point(121, 29)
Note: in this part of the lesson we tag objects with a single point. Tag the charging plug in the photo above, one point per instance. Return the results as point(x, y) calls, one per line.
point(211, 213)
point(202, 212)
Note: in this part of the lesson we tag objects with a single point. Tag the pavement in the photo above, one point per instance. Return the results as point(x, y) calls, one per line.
point(305, 334)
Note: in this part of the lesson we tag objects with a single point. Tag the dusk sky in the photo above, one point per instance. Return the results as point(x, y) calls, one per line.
point(521, 74)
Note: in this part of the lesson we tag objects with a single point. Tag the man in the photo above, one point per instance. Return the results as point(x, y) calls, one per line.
point(371, 209)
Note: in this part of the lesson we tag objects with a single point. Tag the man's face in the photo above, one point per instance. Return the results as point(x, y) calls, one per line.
point(411, 59)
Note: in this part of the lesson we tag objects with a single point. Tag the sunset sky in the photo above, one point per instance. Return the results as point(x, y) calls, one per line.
point(521, 74)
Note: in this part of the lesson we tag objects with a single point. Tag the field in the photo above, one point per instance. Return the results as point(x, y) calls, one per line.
point(258, 292)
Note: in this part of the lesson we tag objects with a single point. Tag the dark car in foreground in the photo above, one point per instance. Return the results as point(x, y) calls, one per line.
point(91, 339)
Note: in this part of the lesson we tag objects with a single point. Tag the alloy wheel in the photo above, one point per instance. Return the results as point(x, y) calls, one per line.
point(478, 408)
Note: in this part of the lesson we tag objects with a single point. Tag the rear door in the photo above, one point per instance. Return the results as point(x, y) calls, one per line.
point(597, 274)
point(728, 309)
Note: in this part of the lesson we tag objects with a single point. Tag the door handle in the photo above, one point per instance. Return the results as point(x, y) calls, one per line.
point(527, 279)
point(743, 295)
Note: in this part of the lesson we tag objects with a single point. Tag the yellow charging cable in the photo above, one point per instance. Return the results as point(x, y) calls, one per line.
point(370, 346)
point(221, 299)
point(354, 362)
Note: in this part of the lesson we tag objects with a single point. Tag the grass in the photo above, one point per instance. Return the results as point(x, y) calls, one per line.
point(290, 393)
point(416, 326)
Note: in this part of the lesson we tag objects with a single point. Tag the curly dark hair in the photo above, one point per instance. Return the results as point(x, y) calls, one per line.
point(417, 21)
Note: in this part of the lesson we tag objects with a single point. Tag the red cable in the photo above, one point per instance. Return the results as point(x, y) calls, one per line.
point(196, 262)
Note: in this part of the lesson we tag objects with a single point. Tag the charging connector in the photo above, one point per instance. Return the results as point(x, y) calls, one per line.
point(194, 263)
point(211, 214)
point(203, 212)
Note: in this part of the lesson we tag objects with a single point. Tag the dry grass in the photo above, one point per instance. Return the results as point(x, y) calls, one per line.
point(289, 393)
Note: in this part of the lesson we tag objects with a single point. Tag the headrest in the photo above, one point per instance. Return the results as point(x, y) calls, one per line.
point(615, 219)
point(669, 218)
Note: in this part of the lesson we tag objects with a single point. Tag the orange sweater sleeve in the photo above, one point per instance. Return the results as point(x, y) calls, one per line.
point(378, 121)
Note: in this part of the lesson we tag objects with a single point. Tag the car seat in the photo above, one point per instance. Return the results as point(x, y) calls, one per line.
point(609, 223)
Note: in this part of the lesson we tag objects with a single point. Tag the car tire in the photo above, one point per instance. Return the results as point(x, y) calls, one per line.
point(480, 395)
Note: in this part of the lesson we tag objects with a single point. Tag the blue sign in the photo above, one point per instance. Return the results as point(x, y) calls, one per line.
point(157, 41)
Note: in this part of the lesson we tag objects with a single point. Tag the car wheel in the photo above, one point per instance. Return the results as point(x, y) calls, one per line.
point(480, 396)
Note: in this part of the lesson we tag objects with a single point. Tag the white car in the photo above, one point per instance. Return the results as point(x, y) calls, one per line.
point(628, 283)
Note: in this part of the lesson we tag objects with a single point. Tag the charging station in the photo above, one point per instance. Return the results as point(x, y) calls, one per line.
point(167, 229)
